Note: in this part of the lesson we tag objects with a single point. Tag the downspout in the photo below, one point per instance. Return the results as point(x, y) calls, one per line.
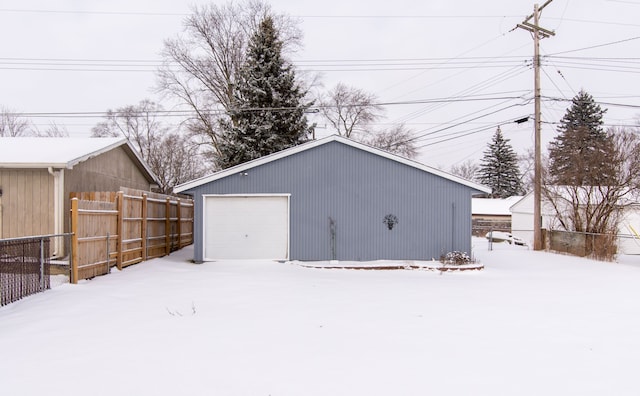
point(58, 210)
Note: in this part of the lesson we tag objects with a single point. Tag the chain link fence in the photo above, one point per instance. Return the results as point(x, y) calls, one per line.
point(25, 267)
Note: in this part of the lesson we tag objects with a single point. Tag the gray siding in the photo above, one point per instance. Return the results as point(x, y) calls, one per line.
point(357, 189)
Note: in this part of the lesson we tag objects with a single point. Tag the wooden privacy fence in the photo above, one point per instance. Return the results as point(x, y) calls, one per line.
point(124, 228)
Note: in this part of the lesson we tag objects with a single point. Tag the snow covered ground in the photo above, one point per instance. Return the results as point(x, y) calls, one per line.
point(530, 323)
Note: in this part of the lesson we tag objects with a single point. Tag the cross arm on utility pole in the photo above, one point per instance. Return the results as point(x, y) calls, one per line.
point(532, 28)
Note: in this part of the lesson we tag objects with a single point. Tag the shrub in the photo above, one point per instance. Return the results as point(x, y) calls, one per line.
point(455, 258)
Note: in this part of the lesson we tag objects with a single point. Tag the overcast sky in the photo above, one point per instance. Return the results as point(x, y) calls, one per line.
point(452, 71)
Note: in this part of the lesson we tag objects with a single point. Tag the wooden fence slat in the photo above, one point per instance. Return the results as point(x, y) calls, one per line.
point(120, 205)
point(167, 227)
point(179, 224)
point(144, 227)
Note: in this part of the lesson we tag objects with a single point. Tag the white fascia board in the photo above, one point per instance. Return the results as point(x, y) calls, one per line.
point(142, 162)
point(315, 143)
point(33, 165)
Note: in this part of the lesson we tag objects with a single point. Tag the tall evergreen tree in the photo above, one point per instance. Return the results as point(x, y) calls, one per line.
point(499, 168)
point(580, 154)
point(270, 113)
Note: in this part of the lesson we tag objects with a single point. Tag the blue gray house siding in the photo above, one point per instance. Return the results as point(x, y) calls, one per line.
point(356, 189)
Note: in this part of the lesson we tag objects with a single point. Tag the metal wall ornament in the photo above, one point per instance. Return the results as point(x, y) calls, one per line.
point(390, 220)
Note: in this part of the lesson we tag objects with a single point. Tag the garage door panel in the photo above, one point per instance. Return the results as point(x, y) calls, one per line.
point(246, 227)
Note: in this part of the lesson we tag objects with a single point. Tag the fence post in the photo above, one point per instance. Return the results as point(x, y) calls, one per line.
point(42, 264)
point(120, 228)
point(179, 225)
point(74, 241)
point(108, 254)
point(167, 227)
point(143, 227)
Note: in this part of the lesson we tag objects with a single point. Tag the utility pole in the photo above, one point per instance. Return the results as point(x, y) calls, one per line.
point(538, 33)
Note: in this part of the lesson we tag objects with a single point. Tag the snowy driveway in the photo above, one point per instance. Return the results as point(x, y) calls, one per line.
point(531, 323)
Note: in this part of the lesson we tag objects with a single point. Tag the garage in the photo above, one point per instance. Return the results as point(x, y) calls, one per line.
point(330, 199)
point(246, 227)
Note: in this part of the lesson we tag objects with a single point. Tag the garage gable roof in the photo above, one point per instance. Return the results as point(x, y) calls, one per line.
point(316, 143)
point(62, 153)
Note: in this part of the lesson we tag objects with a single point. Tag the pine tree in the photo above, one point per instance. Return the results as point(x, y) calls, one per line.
point(499, 168)
point(270, 113)
point(580, 154)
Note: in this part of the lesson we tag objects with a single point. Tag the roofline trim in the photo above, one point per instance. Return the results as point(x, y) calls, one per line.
point(75, 161)
point(33, 165)
point(315, 143)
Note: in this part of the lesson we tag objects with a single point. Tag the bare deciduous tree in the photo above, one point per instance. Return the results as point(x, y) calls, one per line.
point(467, 170)
point(596, 209)
point(200, 67)
point(526, 163)
point(171, 156)
point(139, 124)
point(13, 125)
point(175, 160)
point(397, 140)
point(350, 110)
point(53, 130)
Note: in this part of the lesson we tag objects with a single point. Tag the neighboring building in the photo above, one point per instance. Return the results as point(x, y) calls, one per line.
point(37, 175)
point(491, 214)
point(331, 199)
point(522, 223)
point(522, 218)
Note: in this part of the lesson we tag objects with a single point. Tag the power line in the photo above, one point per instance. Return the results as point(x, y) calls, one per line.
point(327, 16)
point(460, 136)
point(474, 88)
point(597, 46)
point(35, 64)
point(598, 22)
point(188, 113)
point(347, 61)
point(429, 133)
point(448, 60)
point(626, 105)
point(629, 64)
point(113, 13)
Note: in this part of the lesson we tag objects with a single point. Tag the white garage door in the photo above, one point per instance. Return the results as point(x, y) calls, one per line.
point(246, 227)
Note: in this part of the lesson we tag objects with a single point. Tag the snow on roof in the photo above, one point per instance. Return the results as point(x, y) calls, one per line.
point(315, 143)
point(493, 206)
point(43, 152)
